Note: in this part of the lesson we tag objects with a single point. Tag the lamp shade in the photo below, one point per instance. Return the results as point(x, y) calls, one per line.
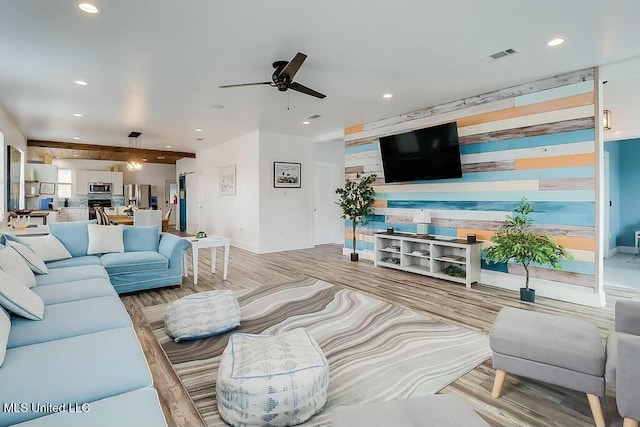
point(421, 217)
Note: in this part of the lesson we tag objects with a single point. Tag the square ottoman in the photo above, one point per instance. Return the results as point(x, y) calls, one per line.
point(554, 349)
point(271, 380)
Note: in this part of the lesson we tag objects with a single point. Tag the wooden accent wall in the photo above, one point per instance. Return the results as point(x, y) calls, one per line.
point(535, 140)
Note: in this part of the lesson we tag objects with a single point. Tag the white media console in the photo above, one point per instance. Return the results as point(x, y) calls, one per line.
point(430, 256)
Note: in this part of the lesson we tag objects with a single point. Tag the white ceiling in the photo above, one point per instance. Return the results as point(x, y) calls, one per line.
point(155, 65)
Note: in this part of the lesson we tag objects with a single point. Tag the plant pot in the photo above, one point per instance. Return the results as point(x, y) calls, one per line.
point(527, 295)
point(354, 256)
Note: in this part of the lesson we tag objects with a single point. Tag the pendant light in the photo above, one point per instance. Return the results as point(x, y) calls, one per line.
point(133, 165)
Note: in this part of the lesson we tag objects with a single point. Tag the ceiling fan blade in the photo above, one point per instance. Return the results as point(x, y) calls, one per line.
point(292, 67)
point(245, 84)
point(308, 91)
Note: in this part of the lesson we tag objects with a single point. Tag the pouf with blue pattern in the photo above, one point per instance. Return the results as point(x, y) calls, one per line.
point(271, 380)
point(202, 315)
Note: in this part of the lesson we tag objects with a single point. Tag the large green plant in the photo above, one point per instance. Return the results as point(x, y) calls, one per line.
point(515, 241)
point(356, 200)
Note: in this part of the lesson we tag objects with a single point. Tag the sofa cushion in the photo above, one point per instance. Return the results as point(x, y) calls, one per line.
point(141, 238)
point(5, 329)
point(70, 319)
point(73, 235)
point(139, 408)
point(47, 247)
point(612, 358)
point(104, 239)
point(132, 262)
point(201, 315)
point(35, 263)
point(18, 299)
point(75, 261)
point(12, 263)
point(73, 291)
point(72, 274)
point(86, 368)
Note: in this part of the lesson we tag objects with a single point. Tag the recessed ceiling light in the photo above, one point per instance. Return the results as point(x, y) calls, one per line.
point(306, 122)
point(555, 42)
point(75, 155)
point(168, 146)
point(81, 82)
point(160, 157)
point(76, 137)
point(144, 160)
point(387, 95)
point(198, 130)
point(88, 7)
point(77, 115)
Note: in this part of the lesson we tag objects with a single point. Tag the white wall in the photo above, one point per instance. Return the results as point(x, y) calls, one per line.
point(14, 137)
point(236, 216)
point(153, 174)
point(286, 214)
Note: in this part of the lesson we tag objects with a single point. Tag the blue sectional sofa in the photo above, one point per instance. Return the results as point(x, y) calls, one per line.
point(82, 365)
point(151, 259)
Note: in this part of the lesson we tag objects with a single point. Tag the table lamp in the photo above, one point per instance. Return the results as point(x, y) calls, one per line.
point(422, 218)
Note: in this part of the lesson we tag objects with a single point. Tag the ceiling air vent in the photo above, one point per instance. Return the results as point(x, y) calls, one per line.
point(499, 55)
point(315, 116)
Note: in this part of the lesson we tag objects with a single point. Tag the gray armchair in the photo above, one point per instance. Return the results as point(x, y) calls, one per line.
point(623, 369)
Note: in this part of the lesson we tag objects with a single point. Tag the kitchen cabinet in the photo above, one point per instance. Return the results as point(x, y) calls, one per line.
point(117, 187)
point(99, 176)
point(81, 183)
point(75, 214)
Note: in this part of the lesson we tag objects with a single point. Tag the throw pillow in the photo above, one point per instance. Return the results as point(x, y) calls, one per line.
point(202, 315)
point(34, 261)
point(12, 263)
point(104, 239)
point(102, 217)
point(18, 299)
point(5, 328)
point(139, 238)
point(47, 247)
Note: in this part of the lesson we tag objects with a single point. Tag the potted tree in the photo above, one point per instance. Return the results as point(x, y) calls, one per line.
point(356, 202)
point(515, 241)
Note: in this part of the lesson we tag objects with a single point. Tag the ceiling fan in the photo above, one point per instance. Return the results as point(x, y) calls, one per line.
point(283, 75)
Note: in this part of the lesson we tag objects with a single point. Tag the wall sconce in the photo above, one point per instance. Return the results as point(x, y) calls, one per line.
point(606, 120)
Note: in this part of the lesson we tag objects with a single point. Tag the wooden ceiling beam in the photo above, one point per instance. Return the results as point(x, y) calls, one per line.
point(109, 148)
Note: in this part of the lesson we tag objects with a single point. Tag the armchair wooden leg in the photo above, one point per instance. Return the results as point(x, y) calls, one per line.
point(596, 409)
point(628, 422)
point(498, 383)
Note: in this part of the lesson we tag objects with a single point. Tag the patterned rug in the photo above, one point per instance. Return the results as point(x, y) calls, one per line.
point(376, 351)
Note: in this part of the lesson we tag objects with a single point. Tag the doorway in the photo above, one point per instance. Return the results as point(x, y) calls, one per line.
point(327, 224)
point(170, 200)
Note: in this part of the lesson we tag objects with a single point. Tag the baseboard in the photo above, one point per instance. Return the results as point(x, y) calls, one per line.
point(244, 245)
point(612, 252)
point(626, 249)
point(545, 288)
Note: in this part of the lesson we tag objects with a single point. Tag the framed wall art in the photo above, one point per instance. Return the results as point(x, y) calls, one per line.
point(286, 175)
point(227, 179)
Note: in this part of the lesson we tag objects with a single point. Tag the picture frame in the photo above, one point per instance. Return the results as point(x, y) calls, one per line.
point(48, 188)
point(287, 175)
point(227, 180)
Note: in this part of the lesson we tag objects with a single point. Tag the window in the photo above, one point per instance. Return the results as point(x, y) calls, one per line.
point(64, 183)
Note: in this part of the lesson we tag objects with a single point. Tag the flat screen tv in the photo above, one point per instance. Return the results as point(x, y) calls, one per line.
point(424, 154)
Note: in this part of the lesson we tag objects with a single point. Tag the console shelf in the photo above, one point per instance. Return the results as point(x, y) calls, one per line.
point(429, 256)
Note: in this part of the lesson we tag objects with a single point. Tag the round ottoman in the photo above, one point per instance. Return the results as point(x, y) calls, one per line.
point(271, 380)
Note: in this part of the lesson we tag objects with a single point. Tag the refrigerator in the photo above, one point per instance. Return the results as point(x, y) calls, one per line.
point(138, 195)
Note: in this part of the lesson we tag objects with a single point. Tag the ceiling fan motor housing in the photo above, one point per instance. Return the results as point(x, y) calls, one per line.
point(280, 80)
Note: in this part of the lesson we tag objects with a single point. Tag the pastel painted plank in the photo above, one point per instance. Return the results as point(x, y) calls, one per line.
point(584, 135)
point(354, 169)
point(505, 165)
point(543, 129)
point(448, 213)
point(541, 207)
point(362, 155)
point(504, 196)
point(363, 162)
point(555, 93)
point(380, 204)
point(530, 152)
point(564, 230)
point(585, 159)
point(353, 129)
point(533, 119)
point(530, 109)
point(524, 185)
point(569, 242)
point(363, 148)
point(586, 280)
point(568, 184)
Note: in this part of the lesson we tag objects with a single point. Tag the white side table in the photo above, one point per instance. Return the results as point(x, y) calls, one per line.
point(212, 242)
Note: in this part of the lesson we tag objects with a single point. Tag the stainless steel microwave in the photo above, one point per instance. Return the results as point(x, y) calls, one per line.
point(100, 188)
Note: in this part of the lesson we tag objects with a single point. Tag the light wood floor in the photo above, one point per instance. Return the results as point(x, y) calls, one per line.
point(524, 402)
